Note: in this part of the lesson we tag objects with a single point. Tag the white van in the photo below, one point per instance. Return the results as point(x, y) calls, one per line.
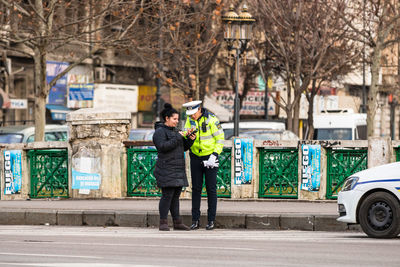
point(340, 125)
point(245, 126)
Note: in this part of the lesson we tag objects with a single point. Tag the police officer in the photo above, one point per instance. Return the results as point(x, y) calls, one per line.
point(204, 159)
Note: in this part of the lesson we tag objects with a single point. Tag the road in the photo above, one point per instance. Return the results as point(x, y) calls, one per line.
point(119, 246)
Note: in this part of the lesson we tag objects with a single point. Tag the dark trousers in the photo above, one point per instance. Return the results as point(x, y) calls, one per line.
point(199, 172)
point(169, 202)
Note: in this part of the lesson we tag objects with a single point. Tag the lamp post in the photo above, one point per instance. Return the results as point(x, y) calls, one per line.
point(237, 33)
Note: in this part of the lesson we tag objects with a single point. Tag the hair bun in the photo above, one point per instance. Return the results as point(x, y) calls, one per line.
point(167, 106)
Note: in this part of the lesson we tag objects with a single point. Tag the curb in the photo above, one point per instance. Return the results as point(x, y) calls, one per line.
point(305, 222)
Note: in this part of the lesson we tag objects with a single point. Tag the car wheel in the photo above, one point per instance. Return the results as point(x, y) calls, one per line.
point(379, 215)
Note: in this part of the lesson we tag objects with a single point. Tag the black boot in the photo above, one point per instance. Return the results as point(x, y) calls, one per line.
point(210, 225)
point(163, 225)
point(195, 225)
point(178, 225)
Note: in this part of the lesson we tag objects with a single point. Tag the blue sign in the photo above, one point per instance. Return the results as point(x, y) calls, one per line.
point(311, 167)
point(83, 180)
point(58, 93)
point(81, 92)
point(243, 160)
point(12, 171)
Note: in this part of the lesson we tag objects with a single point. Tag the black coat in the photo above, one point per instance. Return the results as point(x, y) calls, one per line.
point(170, 166)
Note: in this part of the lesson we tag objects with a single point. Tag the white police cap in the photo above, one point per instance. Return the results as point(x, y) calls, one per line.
point(192, 107)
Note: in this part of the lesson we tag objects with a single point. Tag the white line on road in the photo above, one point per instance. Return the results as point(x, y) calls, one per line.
point(49, 255)
point(141, 245)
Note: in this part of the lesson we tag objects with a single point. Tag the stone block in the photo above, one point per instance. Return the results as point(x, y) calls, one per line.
point(41, 217)
point(259, 221)
point(70, 217)
point(230, 221)
point(99, 218)
point(12, 217)
point(131, 219)
point(328, 223)
point(297, 222)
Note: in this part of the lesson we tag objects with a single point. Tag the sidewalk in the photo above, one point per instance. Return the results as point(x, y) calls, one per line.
point(142, 212)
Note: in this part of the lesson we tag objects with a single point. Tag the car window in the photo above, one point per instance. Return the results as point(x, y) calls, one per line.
point(333, 134)
point(50, 137)
point(10, 138)
point(31, 139)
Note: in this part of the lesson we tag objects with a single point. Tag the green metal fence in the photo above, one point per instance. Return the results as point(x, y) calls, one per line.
point(141, 181)
point(340, 165)
point(49, 173)
point(278, 174)
point(397, 150)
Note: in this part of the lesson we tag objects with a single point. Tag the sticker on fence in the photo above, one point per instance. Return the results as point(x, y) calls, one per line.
point(243, 160)
point(311, 167)
point(12, 171)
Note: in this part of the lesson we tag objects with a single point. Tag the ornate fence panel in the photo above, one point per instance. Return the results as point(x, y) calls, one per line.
point(223, 175)
point(341, 164)
point(141, 181)
point(278, 174)
point(49, 173)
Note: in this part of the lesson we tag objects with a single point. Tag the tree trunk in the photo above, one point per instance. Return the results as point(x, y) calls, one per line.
point(310, 121)
point(373, 91)
point(40, 94)
point(296, 115)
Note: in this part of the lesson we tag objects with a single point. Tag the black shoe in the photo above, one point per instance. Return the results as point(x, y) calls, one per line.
point(195, 225)
point(210, 225)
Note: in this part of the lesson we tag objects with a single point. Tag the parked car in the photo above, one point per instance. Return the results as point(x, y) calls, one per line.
point(141, 134)
point(245, 126)
point(26, 134)
point(371, 198)
point(270, 135)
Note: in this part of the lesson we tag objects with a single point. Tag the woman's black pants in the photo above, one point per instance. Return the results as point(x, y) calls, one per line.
point(169, 202)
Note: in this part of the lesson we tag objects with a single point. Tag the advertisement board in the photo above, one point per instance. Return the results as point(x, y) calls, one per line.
point(147, 94)
point(57, 93)
point(116, 96)
point(80, 95)
point(253, 104)
point(310, 167)
point(243, 160)
point(12, 171)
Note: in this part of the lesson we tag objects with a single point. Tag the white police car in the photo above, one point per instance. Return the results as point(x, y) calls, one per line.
point(371, 198)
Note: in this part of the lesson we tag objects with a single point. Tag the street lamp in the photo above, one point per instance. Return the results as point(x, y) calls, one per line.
point(237, 33)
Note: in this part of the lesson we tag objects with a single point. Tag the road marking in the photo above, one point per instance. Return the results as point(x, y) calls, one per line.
point(49, 255)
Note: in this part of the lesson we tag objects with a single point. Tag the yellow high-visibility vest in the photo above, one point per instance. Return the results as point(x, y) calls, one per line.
point(210, 135)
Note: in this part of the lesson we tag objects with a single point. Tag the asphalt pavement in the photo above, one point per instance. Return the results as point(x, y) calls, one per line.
point(143, 212)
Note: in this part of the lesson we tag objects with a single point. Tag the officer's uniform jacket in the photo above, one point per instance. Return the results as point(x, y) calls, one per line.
point(210, 136)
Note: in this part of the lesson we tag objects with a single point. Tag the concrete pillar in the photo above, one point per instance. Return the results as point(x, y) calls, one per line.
point(96, 152)
point(379, 151)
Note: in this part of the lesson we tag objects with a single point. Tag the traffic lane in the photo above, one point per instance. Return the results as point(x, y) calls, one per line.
point(55, 245)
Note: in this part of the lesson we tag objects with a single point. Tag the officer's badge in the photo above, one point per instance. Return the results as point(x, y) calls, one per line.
point(218, 125)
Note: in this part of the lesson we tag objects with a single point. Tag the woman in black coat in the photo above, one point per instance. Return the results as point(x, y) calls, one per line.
point(170, 167)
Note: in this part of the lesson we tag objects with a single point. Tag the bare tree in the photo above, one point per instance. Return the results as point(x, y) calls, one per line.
point(188, 35)
point(375, 23)
point(80, 29)
point(302, 39)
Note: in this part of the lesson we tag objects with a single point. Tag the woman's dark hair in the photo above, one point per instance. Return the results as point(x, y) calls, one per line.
point(168, 111)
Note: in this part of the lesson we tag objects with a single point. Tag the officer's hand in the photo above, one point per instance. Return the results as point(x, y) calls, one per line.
point(192, 136)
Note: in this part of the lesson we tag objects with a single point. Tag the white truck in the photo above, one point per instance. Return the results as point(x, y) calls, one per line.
point(340, 125)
